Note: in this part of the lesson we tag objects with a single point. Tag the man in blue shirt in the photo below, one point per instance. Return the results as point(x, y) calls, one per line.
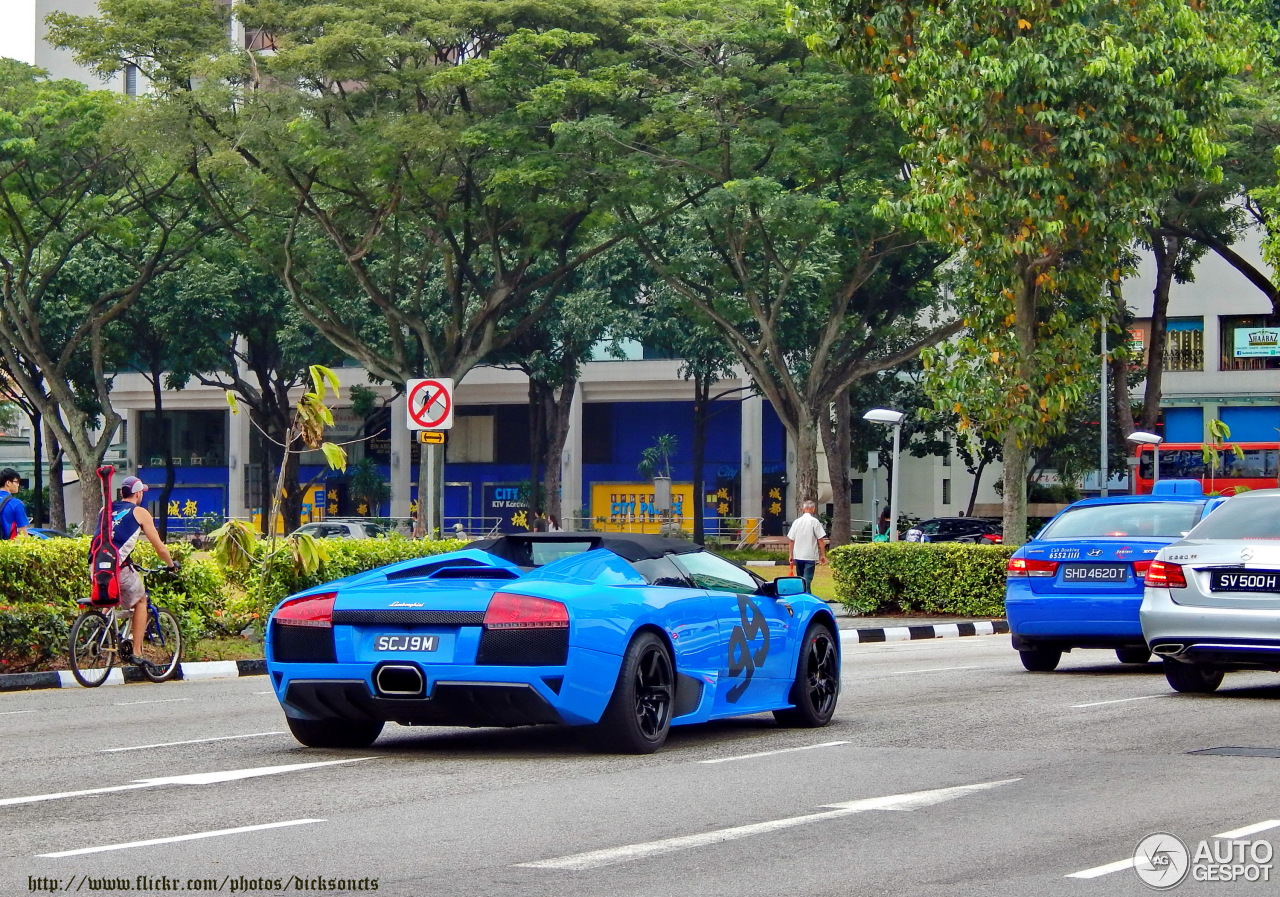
point(13, 515)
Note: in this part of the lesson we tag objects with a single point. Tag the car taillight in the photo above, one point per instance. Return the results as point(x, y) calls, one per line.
point(1162, 574)
point(1140, 569)
point(309, 610)
point(510, 611)
point(1030, 567)
point(993, 537)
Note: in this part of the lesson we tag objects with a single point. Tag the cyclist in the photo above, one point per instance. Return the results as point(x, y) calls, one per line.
point(129, 520)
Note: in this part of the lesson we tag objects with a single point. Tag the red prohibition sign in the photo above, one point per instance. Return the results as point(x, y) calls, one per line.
point(430, 404)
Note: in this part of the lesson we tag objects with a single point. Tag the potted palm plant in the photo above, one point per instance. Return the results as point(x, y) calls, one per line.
point(655, 462)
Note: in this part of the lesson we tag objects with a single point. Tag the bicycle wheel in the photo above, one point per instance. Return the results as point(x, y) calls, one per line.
point(92, 648)
point(162, 647)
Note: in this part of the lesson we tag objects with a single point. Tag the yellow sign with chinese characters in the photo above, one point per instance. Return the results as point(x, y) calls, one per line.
point(628, 507)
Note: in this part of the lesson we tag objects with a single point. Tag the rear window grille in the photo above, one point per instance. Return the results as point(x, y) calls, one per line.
point(524, 647)
point(302, 644)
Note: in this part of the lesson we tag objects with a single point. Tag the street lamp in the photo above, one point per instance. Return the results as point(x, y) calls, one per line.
point(1138, 437)
point(892, 418)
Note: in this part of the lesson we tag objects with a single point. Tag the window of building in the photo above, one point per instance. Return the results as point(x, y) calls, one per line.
point(196, 438)
point(855, 491)
point(130, 80)
point(597, 433)
point(946, 491)
point(471, 439)
point(1184, 344)
point(1250, 343)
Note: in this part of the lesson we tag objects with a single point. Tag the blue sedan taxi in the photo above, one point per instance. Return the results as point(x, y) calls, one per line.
point(1079, 583)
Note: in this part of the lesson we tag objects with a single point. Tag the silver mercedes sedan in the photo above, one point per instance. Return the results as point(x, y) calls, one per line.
point(1212, 601)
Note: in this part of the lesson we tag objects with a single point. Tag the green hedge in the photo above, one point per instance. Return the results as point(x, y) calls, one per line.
point(41, 580)
point(942, 578)
point(345, 557)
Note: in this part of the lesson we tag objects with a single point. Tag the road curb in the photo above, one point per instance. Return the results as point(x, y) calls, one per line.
point(936, 630)
point(212, 669)
point(231, 669)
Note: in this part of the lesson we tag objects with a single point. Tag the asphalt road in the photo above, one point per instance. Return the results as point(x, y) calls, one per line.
point(947, 770)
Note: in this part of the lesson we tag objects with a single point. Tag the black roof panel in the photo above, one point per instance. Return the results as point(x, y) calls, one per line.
point(628, 546)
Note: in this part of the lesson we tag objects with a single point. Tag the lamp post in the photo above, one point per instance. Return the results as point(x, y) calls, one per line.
point(891, 418)
point(1138, 438)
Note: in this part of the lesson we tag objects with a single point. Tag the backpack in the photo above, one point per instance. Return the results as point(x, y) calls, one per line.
point(4, 501)
point(104, 557)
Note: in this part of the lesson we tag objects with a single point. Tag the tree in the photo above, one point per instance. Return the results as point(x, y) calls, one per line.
point(1036, 141)
point(411, 149)
point(780, 157)
point(85, 225)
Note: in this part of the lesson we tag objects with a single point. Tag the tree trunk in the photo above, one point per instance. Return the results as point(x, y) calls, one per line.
point(977, 481)
point(556, 405)
point(836, 441)
point(537, 443)
point(806, 437)
point(701, 408)
point(1167, 249)
point(291, 499)
point(170, 473)
point(1016, 452)
point(37, 469)
point(57, 496)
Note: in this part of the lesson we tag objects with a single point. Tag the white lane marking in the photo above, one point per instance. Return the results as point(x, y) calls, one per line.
point(806, 747)
point(165, 701)
point(935, 670)
point(1119, 701)
point(1120, 865)
point(194, 837)
point(268, 692)
point(13, 712)
point(199, 778)
point(1098, 871)
point(596, 859)
point(142, 747)
point(1250, 830)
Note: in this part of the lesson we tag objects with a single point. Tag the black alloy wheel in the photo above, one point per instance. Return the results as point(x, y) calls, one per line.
point(638, 717)
point(817, 684)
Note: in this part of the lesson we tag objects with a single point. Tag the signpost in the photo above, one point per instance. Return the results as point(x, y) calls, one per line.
point(430, 410)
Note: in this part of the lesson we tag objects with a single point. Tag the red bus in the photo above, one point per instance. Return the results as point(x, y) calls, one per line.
point(1257, 466)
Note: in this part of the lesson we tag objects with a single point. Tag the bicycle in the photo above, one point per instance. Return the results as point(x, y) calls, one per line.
point(95, 636)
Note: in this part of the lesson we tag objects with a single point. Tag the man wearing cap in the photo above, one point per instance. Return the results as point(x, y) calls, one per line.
point(128, 521)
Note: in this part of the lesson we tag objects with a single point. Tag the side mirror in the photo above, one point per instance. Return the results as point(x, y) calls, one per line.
point(787, 586)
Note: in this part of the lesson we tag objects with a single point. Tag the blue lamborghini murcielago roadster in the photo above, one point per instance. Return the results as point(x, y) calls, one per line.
point(625, 634)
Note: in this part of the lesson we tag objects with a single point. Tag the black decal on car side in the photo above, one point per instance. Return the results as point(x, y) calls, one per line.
point(741, 658)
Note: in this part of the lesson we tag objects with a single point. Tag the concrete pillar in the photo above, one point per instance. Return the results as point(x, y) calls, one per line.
point(401, 458)
point(571, 466)
point(751, 458)
point(239, 431)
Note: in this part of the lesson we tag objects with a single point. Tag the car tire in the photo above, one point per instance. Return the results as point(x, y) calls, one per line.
point(1133, 655)
point(638, 717)
point(817, 684)
point(334, 733)
point(1192, 678)
point(1040, 660)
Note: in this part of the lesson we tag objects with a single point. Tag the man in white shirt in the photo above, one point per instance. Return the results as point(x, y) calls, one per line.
point(807, 550)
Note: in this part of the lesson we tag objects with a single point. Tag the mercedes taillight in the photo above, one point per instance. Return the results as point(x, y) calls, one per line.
point(1163, 575)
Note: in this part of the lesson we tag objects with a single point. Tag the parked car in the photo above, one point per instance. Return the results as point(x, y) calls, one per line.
point(1212, 602)
point(43, 532)
point(344, 529)
point(974, 530)
point(627, 634)
point(1079, 582)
